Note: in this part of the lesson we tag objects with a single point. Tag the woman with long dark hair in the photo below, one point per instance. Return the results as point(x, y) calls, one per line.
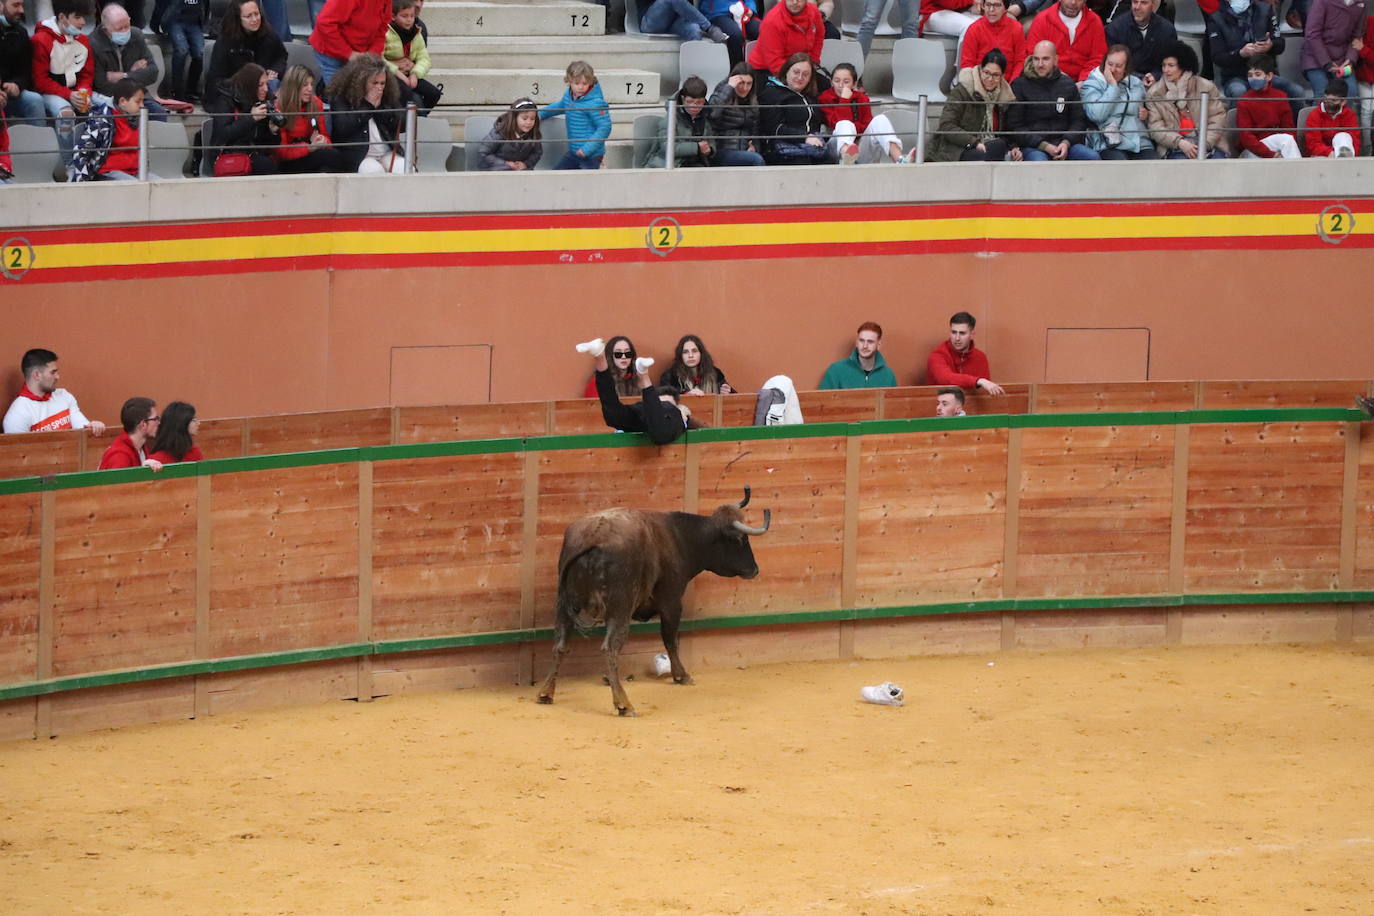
point(693, 371)
point(244, 38)
point(176, 436)
point(244, 132)
point(622, 355)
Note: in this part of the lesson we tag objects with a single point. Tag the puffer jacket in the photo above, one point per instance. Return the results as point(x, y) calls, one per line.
point(496, 151)
point(589, 120)
point(1107, 103)
point(733, 122)
point(1164, 112)
point(786, 114)
point(1331, 26)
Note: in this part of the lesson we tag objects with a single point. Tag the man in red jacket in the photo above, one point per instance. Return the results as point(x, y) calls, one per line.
point(995, 30)
point(1332, 131)
point(1076, 32)
point(1263, 115)
point(139, 418)
point(958, 362)
point(345, 28)
point(789, 27)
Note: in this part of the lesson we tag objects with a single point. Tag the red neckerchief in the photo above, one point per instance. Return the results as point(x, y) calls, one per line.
point(26, 393)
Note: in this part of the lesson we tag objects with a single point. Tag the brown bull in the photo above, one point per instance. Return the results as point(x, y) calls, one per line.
point(632, 563)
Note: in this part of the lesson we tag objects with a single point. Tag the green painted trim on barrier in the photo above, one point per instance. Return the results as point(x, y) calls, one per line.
point(442, 449)
point(752, 433)
point(588, 440)
point(508, 637)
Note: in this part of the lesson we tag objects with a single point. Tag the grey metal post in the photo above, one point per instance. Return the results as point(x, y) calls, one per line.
point(143, 144)
point(1202, 130)
point(670, 158)
point(921, 104)
point(412, 125)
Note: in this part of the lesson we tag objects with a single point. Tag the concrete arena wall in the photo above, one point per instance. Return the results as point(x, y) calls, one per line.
point(1215, 267)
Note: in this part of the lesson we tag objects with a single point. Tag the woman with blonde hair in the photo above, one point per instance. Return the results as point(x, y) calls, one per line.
point(305, 144)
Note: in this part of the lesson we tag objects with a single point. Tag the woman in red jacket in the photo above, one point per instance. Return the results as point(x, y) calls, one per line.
point(995, 30)
point(345, 27)
point(791, 27)
point(856, 134)
point(305, 144)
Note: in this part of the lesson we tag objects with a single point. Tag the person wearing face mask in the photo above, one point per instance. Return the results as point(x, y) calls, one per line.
point(1114, 98)
point(63, 68)
point(975, 112)
point(1237, 33)
point(1263, 116)
point(1328, 39)
point(108, 146)
point(120, 51)
point(1364, 72)
point(1331, 131)
point(1144, 33)
point(1175, 108)
point(994, 30)
point(21, 103)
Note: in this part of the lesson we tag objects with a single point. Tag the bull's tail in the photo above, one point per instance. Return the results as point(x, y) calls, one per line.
point(584, 584)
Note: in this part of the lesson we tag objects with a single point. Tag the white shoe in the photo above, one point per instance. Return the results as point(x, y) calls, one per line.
point(884, 694)
point(593, 347)
point(642, 364)
point(662, 667)
point(849, 154)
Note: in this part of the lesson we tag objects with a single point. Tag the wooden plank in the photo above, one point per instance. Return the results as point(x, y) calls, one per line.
point(1270, 393)
point(305, 432)
point(291, 685)
point(1114, 396)
point(1270, 623)
point(1095, 511)
point(846, 406)
point(849, 571)
point(1363, 569)
point(1091, 629)
point(1350, 485)
point(19, 719)
point(365, 578)
point(903, 403)
point(204, 573)
point(583, 415)
point(37, 454)
point(284, 549)
point(124, 590)
point(222, 438)
point(21, 559)
point(529, 551)
point(952, 634)
point(471, 421)
point(737, 409)
point(122, 705)
point(448, 536)
point(454, 669)
point(931, 508)
point(1012, 527)
point(1264, 507)
point(801, 558)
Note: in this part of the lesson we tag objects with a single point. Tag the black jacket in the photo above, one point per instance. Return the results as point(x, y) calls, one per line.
point(16, 56)
point(1227, 33)
point(734, 125)
point(348, 130)
point(264, 49)
point(785, 114)
point(1052, 113)
point(234, 127)
point(110, 56)
point(1145, 49)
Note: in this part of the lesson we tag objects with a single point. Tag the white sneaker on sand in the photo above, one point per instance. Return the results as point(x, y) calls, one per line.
point(593, 347)
point(884, 694)
point(662, 667)
point(643, 363)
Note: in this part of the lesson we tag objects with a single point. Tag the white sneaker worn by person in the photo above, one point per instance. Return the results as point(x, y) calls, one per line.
point(884, 694)
point(594, 347)
point(850, 154)
point(643, 363)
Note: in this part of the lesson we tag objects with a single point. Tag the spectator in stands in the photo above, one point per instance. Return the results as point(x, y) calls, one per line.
point(1239, 32)
point(975, 111)
point(129, 449)
point(958, 362)
point(1328, 37)
point(693, 370)
point(6, 163)
point(1264, 117)
point(175, 441)
point(680, 18)
point(623, 357)
point(734, 115)
point(1175, 107)
point(949, 402)
point(185, 21)
point(659, 414)
point(244, 38)
point(827, 11)
point(949, 17)
point(1114, 99)
point(120, 51)
point(41, 406)
point(856, 133)
point(22, 104)
point(63, 68)
point(790, 28)
point(245, 136)
point(691, 148)
point(863, 368)
point(1331, 131)
point(1077, 34)
point(790, 118)
point(1364, 72)
point(513, 144)
point(365, 121)
point(1050, 122)
point(348, 27)
point(1146, 34)
point(738, 28)
point(408, 57)
point(589, 121)
point(305, 144)
point(872, 14)
point(994, 30)
point(108, 146)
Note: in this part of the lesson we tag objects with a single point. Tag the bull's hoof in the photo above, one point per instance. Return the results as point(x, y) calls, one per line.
point(626, 711)
point(545, 700)
point(685, 680)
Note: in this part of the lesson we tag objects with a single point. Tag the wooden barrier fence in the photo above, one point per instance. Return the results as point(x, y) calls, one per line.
point(364, 571)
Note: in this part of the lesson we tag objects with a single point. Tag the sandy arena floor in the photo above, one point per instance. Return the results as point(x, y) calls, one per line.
point(1163, 781)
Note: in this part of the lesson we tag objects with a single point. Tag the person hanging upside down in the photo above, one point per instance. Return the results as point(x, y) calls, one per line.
point(659, 414)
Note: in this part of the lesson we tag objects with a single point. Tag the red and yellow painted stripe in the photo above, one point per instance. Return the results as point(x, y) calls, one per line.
point(343, 243)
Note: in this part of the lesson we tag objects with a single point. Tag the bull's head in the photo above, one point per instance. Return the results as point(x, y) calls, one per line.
point(730, 554)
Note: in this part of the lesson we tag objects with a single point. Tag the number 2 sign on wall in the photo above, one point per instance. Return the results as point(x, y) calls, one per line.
point(16, 257)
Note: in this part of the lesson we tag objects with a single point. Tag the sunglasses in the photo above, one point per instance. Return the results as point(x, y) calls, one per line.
point(621, 354)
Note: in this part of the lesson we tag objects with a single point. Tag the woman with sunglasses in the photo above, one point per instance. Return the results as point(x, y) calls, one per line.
point(620, 352)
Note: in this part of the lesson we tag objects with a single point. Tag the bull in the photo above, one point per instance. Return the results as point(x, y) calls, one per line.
point(633, 563)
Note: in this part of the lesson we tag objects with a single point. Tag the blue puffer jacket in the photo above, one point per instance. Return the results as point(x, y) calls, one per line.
point(589, 121)
point(1106, 103)
point(713, 8)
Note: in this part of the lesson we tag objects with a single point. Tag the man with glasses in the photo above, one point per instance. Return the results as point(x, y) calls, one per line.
point(140, 418)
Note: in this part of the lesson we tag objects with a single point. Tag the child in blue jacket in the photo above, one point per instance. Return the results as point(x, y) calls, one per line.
point(589, 121)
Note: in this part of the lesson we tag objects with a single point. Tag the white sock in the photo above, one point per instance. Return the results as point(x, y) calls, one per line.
point(594, 347)
point(643, 363)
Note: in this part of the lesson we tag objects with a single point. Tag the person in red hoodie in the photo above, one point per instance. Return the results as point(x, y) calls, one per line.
point(1364, 73)
point(1264, 117)
point(791, 27)
point(958, 362)
point(1332, 131)
point(64, 68)
point(6, 166)
point(139, 419)
point(856, 134)
point(1076, 32)
point(949, 17)
point(345, 27)
point(994, 30)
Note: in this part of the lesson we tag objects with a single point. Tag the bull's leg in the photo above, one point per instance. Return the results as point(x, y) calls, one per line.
point(617, 628)
point(667, 626)
point(560, 650)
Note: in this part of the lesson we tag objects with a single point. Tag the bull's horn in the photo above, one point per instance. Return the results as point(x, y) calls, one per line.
point(744, 502)
point(767, 520)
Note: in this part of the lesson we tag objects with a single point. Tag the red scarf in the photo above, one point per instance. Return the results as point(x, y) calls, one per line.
point(26, 393)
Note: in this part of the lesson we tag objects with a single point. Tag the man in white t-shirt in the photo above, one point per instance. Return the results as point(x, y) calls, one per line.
point(42, 407)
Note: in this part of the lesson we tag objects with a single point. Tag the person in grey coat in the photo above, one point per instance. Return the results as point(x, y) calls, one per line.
point(118, 51)
point(513, 144)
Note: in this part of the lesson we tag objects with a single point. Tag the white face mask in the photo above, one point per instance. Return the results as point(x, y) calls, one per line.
point(1240, 6)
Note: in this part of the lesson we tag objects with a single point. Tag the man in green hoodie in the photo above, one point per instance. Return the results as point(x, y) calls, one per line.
point(865, 367)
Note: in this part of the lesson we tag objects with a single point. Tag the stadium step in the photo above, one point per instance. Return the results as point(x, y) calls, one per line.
point(658, 54)
point(473, 86)
point(540, 17)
